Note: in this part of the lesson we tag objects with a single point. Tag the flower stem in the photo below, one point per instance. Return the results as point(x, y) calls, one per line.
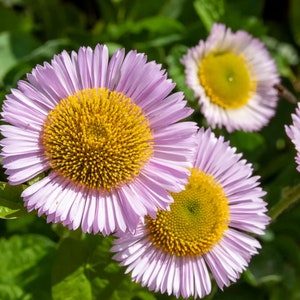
point(289, 196)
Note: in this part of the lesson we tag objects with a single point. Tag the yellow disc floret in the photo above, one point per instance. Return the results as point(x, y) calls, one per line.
point(97, 138)
point(197, 220)
point(227, 79)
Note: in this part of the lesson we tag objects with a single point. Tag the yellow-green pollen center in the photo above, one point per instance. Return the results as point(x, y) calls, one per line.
point(97, 138)
point(227, 79)
point(197, 220)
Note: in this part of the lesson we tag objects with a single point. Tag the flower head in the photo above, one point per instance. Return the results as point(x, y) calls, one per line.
point(105, 134)
point(293, 132)
point(233, 76)
point(206, 229)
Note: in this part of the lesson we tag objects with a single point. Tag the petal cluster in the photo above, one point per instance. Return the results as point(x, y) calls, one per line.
point(293, 132)
point(261, 106)
point(61, 200)
point(190, 275)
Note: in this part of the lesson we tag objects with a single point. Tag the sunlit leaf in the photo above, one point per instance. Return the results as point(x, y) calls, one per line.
point(11, 203)
point(74, 286)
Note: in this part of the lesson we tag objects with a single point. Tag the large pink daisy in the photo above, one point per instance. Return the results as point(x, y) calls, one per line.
point(206, 231)
point(104, 133)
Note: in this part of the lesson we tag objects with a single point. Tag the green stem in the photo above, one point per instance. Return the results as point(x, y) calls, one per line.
point(289, 196)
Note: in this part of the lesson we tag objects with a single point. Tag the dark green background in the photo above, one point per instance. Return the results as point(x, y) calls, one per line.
point(44, 261)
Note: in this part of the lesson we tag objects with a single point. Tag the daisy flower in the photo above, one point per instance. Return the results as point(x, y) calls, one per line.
point(293, 132)
point(105, 133)
point(233, 76)
point(205, 231)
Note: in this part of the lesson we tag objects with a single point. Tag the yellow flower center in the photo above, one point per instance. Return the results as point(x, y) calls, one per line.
point(197, 220)
point(97, 138)
point(227, 79)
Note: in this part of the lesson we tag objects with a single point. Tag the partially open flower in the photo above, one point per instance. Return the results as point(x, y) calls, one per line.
point(293, 132)
point(234, 78)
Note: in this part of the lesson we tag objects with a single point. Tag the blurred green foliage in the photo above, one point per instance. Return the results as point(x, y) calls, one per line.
point(43, 261)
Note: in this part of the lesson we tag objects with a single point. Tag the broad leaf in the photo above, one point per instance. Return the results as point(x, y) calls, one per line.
point(210, 11)
point(25, 267)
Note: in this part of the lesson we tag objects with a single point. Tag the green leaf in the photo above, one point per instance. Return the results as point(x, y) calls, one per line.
point(56, 18)
point(172, 8)
point(284, 54)
point(158, 25)
point(13, 48)
point(11, 203)
point(87, 263)
point(25, 267)
point(11, 210)
point(209, 11)
point(8, 59)
point(108, 279)
point(247, 141)
point(75, 286)
point(11, 192)
point(153, 28)
point(69, 280)
point(176, 71)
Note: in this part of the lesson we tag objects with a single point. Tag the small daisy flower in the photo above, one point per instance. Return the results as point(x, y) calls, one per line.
point(293, 132)
point(233, 76)
point(204, 232)
point(104, 132)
